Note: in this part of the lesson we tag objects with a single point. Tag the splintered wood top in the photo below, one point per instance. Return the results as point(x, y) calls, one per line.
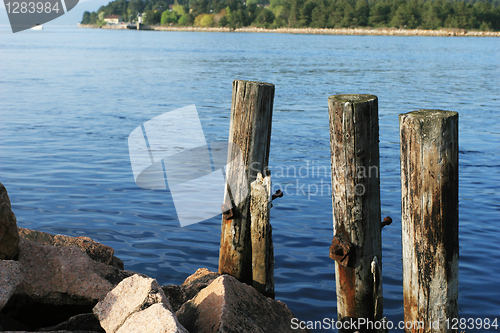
point(430, 114)
point(353, 98)
point(255, 82)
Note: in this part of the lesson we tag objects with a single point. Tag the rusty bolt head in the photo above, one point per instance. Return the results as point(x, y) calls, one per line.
point(278, 194)
point(341, 251)
point(386, 221)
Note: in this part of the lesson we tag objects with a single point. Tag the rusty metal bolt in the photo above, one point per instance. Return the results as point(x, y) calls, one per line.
point(342, 251)
point(278, 194)
point(386, 221)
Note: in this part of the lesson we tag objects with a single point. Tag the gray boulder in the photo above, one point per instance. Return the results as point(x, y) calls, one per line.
point(131, 297)
point(63, 275)
point(96, 251)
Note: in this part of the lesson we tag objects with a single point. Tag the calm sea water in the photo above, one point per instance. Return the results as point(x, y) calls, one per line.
point(70, 97)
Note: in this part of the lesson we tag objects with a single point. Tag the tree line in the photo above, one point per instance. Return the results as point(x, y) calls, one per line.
point(406, 14)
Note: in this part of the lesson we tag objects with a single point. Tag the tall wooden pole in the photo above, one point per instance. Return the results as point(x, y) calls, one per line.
point(356, 246)
point(262, 239)
point(429, 217)
point(250, 135)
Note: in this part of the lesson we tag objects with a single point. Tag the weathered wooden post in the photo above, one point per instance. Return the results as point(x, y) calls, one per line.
point(356, 246)
point(261, 235)
point(250, 135)
point(429, 217)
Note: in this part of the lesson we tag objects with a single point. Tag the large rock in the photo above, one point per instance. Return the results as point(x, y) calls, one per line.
point(130, 296)
point(10, 277)
point(228, 305)
point(155, 319)
point(9, 238)
point(63, 275)
point(93, 249)
point(178, 295)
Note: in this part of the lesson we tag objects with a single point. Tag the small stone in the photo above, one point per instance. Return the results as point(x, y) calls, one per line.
point(10, 277)
point(132, 295)
point(9, 238)
point(155, 319)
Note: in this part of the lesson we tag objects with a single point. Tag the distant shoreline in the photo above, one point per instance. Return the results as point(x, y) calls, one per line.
point(342, 31)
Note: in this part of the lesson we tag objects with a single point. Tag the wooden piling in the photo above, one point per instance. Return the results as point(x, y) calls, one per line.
point(249, 134)
point(429, 217)
point(261, 235)
point(356, 207)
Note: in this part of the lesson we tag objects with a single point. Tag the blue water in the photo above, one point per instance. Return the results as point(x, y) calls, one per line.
point(70, 97)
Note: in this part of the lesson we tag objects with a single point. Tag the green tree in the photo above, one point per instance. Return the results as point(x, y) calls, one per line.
point(291, 7)
point(488, 15)
point(319, 18)
point(240, 19)
point(153, 17)
point(198, 7)
point(124, 12)
point(93, 18)
point(431, 16)
point(380, 13)
point(305, 13)
point(136, 7)
point(229, 17)
point(207, 20)
point(168, 17)
point(223, 22)
point(179, 9)
point(485, 26)
point(362, 11)
point(265, 18)
point(218, 5)
point(349, 16)
point(86, 18)
point(460, 16)
point(186, 19)
point(400, 18)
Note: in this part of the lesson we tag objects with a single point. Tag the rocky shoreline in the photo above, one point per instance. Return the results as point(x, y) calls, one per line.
point(56, 283)
point(342, 31)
